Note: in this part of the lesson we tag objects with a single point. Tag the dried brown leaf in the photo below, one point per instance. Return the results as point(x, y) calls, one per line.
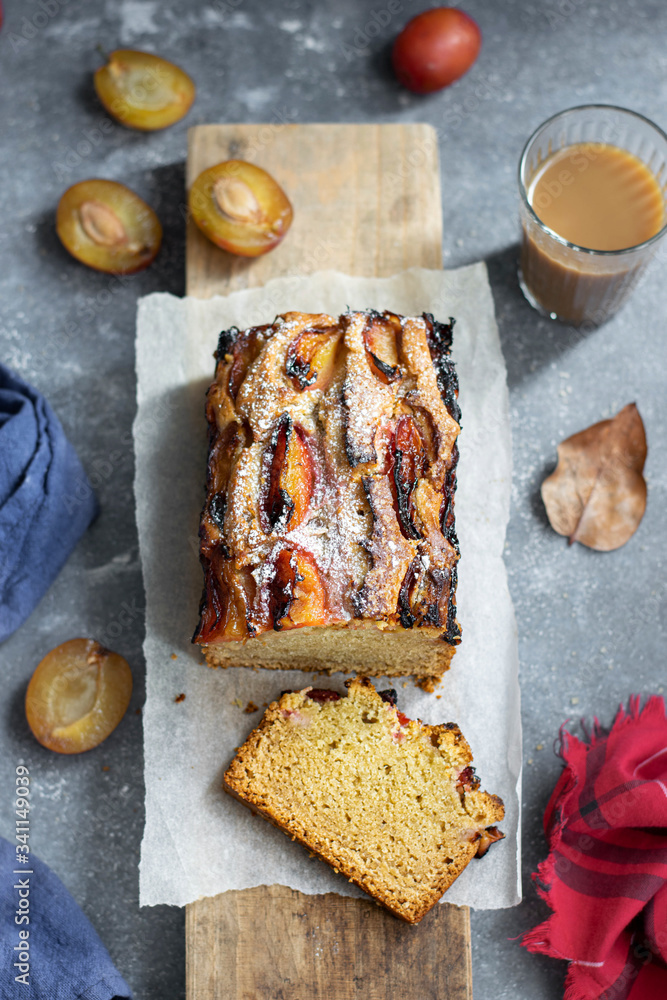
point(597, 493)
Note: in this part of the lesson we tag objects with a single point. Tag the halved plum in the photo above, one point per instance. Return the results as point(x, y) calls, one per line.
point(297, 594)
point(311, 356)
point(240, 208)
point(77, 696)
point(108, 227)
point(143, 91)
point(288, 477)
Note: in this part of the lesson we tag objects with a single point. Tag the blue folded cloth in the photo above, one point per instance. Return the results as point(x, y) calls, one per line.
point(46, 940)
point(46, 501)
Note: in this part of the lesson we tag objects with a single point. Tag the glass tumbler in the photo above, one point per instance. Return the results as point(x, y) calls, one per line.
point(571, 283)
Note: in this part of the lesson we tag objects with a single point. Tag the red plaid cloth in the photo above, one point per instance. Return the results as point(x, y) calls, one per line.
point(606, 874)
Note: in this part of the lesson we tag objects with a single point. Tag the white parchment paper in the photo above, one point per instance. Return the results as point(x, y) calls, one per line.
point(197, 840)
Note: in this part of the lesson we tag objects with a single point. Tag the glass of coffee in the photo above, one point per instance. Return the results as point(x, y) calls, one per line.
point(593, 203)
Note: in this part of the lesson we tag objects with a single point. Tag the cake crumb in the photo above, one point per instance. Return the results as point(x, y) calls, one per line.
point(574, 701)
point(427, 684)
point(250, 708)
point(180, 697)
point(174, 656)
point(237, 702)
point(105, 767)
point(540, 746)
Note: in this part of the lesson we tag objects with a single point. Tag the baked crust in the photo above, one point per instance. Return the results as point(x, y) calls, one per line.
point(283, 773)
point(327, 537)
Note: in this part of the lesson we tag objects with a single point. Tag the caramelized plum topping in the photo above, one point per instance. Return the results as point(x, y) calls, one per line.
point(223, 456)
point(428, 434)
point(427, 594)
point(310, 358)
point(380, 338)
point(406, 597)
point(288, 477)
point(239, 349)
point(245, 351)
point(225, 605)
point(142, 91)
point(424, 595)
point(240, 208)
point(217, 508)
point(297, 595)
point(211, 609)
point(108, 227)
point(447, 520)
point(439, 337)
point(410, 462)
point(77, 696)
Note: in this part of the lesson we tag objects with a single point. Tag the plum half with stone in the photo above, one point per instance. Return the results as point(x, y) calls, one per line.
point(77, 696)
point(108, 227)
point(143, 91)
point(240, 208)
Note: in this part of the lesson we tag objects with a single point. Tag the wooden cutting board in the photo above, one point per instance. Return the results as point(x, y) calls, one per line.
point(367, 202)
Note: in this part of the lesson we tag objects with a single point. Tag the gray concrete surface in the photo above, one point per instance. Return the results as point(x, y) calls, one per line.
point(592, 626)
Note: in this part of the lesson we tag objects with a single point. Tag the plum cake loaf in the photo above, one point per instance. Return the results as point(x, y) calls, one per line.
point(327, 536)
point(391, 803)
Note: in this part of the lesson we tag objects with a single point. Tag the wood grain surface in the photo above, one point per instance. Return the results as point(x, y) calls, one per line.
point(273, 942)
point(367, 202)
